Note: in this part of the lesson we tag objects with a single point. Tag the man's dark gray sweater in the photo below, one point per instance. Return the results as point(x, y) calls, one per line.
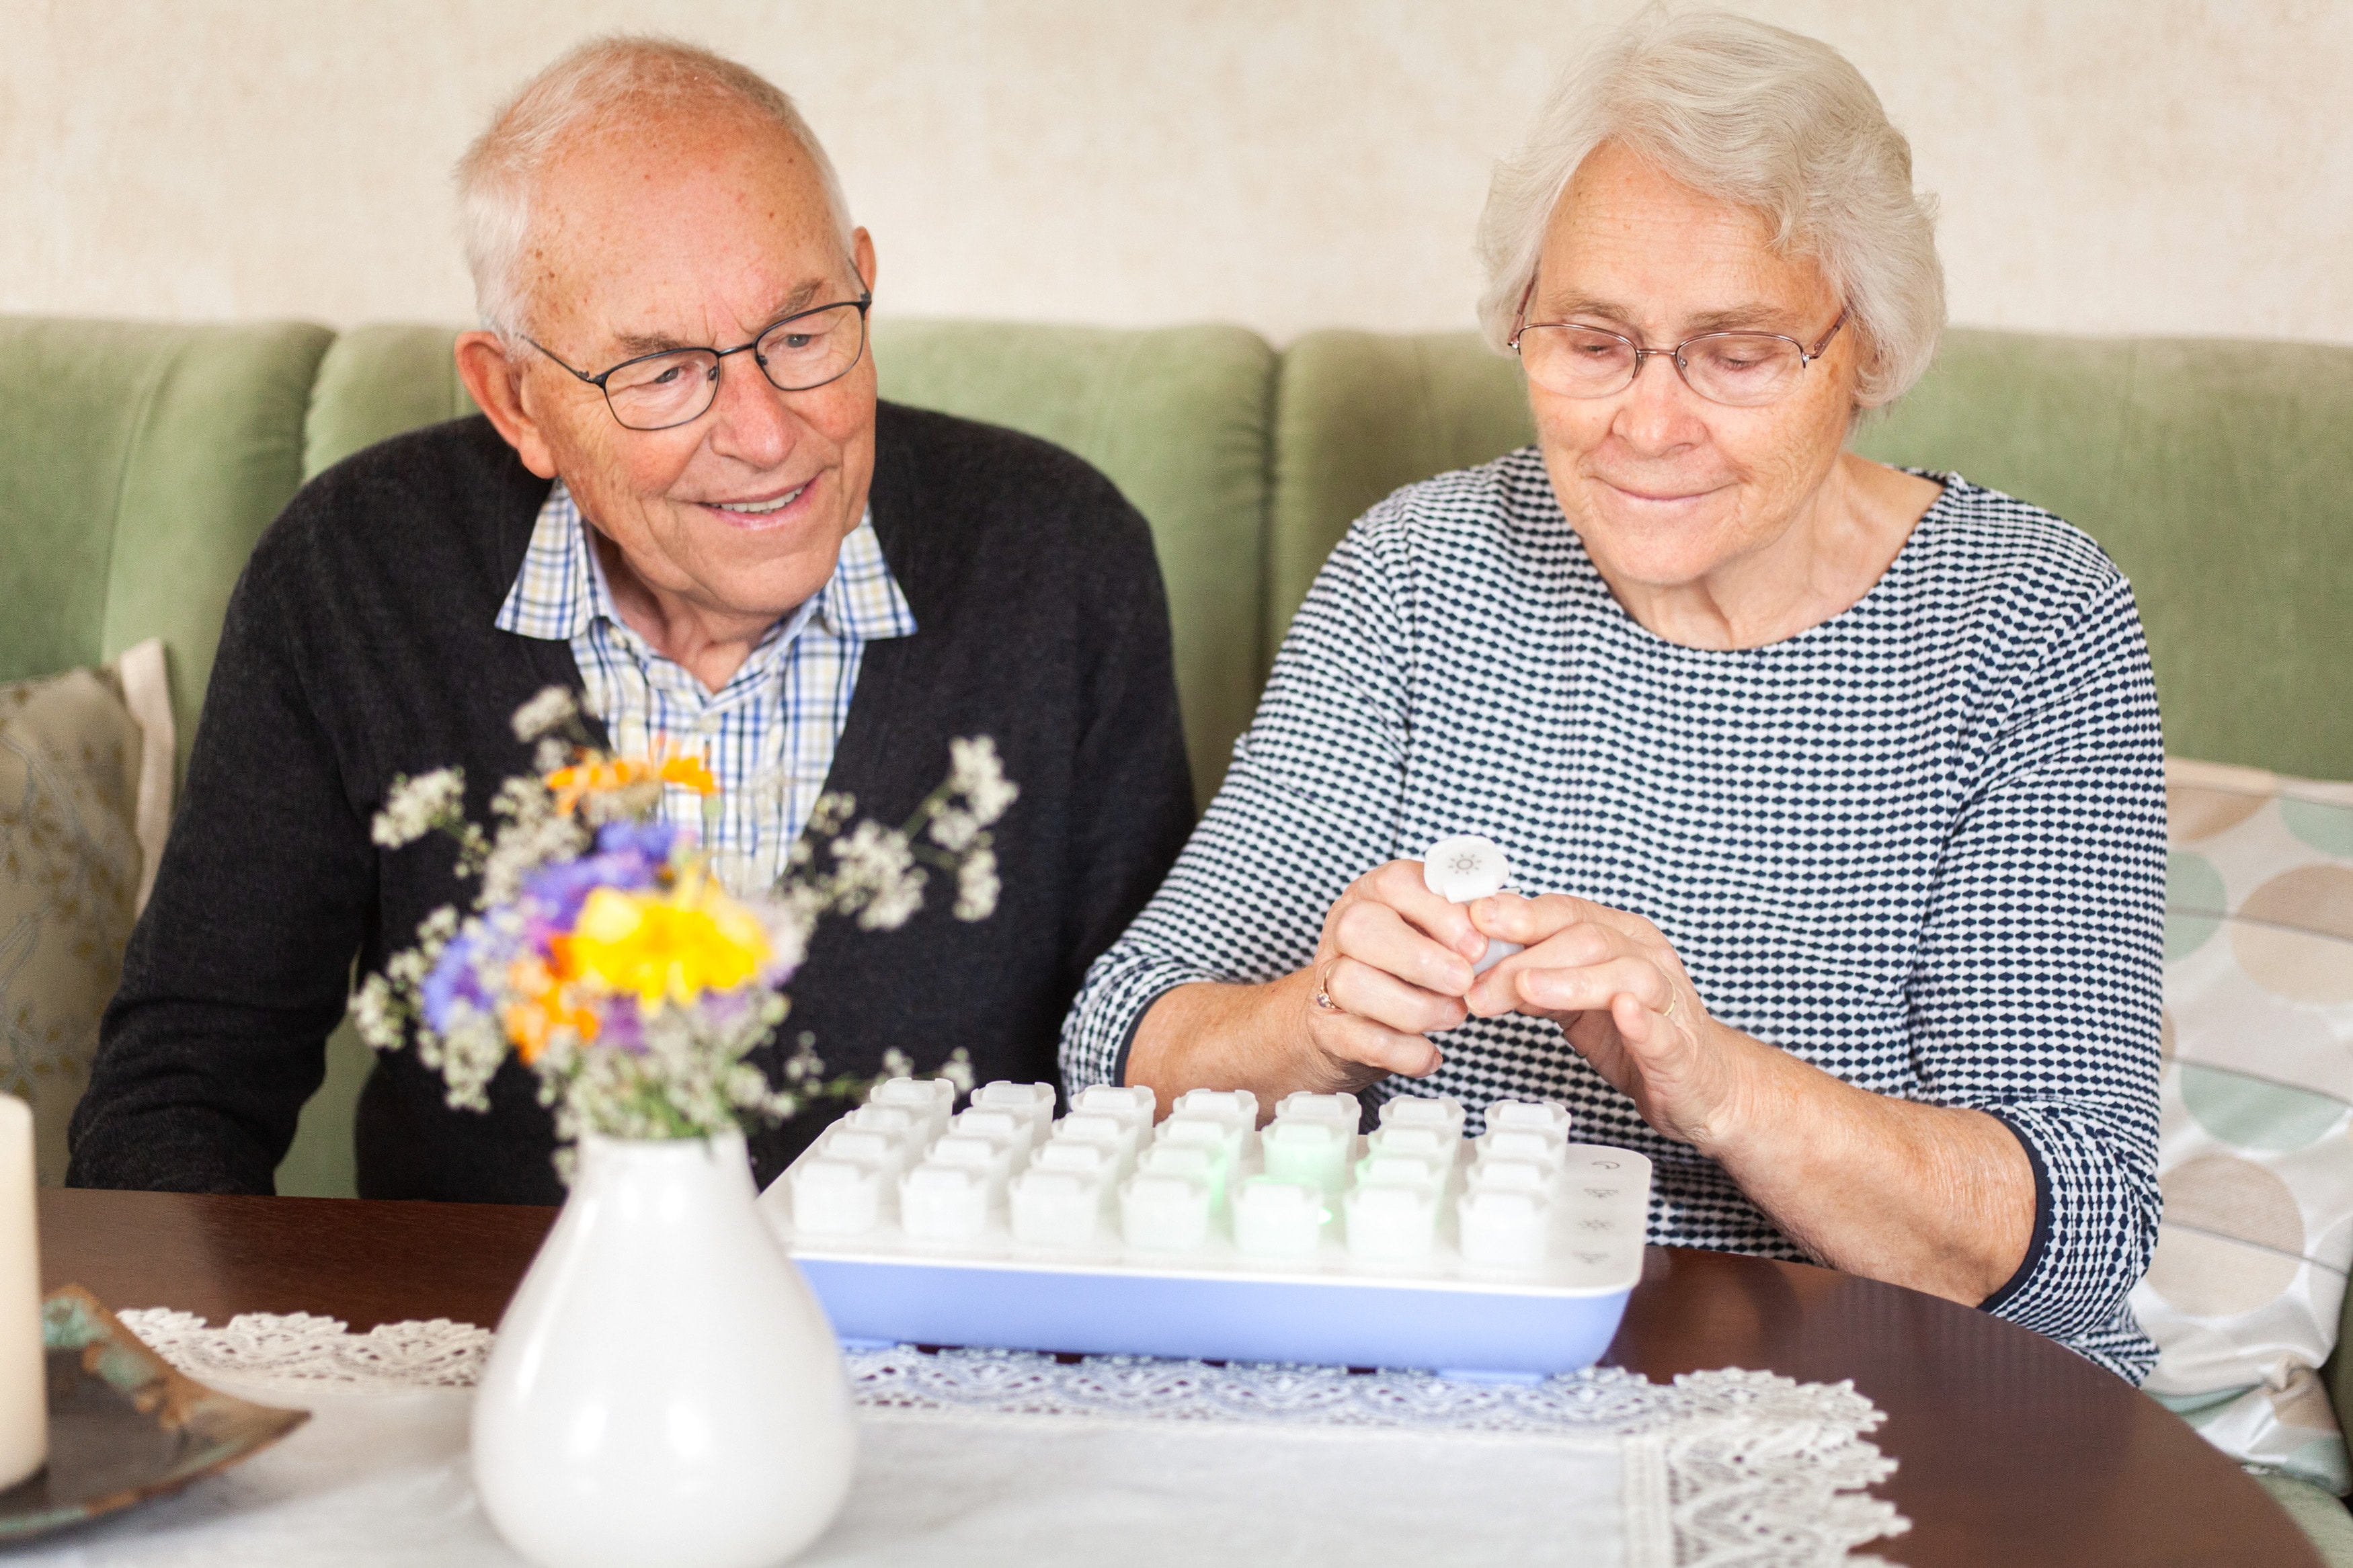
point(360, 644)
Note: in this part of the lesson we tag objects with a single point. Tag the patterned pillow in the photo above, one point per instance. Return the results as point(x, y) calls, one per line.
point(85, 801)
point(2256, 1129)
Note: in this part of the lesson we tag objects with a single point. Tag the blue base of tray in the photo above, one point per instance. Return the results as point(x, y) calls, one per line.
point(1470, 1332)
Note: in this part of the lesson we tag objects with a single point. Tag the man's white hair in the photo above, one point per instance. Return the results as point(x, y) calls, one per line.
point(1758, 117)
point(602, 86)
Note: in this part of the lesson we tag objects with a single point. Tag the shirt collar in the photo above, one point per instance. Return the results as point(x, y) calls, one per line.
point(560, 591)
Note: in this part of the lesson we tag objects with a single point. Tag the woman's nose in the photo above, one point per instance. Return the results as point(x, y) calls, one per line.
point(1658, 411)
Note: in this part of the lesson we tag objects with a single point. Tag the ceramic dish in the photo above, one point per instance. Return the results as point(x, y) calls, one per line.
point(124, 1424)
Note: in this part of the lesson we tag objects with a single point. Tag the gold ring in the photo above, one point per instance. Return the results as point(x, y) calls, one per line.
point(1323, 1002)
point(1668, 1010)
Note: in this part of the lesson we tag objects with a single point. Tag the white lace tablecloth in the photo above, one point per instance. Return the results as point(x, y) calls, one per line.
point(977, 1458)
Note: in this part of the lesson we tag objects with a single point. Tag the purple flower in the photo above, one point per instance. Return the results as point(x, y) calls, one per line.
point(652, 840)
point(623, 1026)
point(453, 980)
point(560, 889)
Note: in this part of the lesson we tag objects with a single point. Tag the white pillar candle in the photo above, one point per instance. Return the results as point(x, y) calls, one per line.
point(23, 1367)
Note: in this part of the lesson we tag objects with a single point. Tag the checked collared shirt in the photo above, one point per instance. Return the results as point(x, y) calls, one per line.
point(767, 735)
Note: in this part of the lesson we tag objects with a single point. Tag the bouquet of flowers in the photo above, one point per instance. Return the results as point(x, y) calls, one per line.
point(603, 952)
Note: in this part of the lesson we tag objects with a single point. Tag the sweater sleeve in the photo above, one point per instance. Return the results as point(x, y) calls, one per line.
point(1131, 787)
point(237, 969)
point(2038, 988)
point(1309, 805)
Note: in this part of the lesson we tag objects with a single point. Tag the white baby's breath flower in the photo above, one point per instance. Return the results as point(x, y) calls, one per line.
point(876, 871)
point(551, 709)
point(976, 773)
point(957, 1069)
point(377, 1014)
point(550, 754)
point(977, 886)
point(893, 906)
point(953, 830)
point(416, 807)
point(523, 847)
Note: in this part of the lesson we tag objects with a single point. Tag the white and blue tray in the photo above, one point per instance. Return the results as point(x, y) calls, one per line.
point(1204, 1236)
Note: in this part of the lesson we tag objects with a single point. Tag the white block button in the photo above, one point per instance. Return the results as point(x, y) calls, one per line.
point(1165, 1211)
point(1530, 1148)
point(1390, 1224)
point(1055, 1208)
point(1096, 1162)
point(1443, 1116)
point(1237, 1108)
point(931, 1098)
point(1399, 1170)
point(1315, 1152)
point(1510, 1176)
point(890, 1155)
point(944, 1202)
point(1546, 1117)
point(1009, 1128)
point(1504, 1229)
point(835, 1198)
point(1128, 1102)
point(1033, 1101)
point(989, 1160)
point(1340, 1111)
point(1277, 1219)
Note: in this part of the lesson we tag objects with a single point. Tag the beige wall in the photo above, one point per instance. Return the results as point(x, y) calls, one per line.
point(2106, 165)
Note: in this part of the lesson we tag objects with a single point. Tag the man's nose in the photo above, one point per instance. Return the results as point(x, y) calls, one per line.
point(749, 419)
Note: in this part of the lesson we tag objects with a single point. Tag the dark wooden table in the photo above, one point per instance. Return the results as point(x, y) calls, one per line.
point(2012, 1451)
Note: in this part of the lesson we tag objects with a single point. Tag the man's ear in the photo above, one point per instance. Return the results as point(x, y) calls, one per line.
point(496, 383)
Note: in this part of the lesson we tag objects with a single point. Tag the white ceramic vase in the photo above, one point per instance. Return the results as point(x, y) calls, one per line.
point(664, 1389)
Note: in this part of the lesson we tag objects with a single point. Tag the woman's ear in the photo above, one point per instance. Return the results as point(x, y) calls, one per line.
point(495, 381)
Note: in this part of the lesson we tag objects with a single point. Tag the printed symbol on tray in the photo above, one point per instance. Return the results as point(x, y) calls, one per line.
point(1600, 1191)
point(1596, 1224)
point(1591, 1256)
point(1604, 1164)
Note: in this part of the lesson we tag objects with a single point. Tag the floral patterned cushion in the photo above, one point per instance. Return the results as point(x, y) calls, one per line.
point(85, 800)
point(2256, 1129)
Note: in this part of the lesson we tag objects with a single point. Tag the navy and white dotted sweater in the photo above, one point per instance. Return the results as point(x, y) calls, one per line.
point(1921, 845)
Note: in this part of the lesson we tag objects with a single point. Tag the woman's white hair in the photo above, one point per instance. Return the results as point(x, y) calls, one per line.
point(1758, 117)
point(590, 88)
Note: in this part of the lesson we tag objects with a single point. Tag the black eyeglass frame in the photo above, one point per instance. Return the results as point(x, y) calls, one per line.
point(863, 304)
point(1806, 356)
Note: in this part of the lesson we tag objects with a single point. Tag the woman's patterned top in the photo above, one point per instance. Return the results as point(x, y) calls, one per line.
point(1921, 845)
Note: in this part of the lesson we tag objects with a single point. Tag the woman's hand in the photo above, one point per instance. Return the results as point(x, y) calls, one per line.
point(1391, 967)
point(1614, 984)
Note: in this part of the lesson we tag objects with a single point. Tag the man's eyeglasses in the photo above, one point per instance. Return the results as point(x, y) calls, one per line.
point(677, 386)
point(1744, 370)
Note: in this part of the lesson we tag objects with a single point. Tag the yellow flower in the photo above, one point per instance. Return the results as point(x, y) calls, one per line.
point(695, 939)
point(691, 772)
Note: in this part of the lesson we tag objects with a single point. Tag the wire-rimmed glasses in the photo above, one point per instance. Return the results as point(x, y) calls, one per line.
point(1743, 370)
point(671, 387)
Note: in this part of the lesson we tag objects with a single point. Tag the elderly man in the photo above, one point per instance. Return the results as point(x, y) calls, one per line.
point(683, 502)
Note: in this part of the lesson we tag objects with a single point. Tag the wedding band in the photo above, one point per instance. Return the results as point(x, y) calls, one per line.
point(1323, 1002)
point(1668, 1010)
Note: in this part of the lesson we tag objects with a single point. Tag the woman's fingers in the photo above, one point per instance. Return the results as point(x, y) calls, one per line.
point(1399, 885)
point(1351, 1040)
point(1366, 991)
point(1381, 936)
point(1592, 986)
point(1531, 921)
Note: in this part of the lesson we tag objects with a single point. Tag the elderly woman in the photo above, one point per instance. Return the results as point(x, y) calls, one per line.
point(1836, 789)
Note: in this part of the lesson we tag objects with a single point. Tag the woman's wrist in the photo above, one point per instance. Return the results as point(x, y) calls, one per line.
point(1756, 1103)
